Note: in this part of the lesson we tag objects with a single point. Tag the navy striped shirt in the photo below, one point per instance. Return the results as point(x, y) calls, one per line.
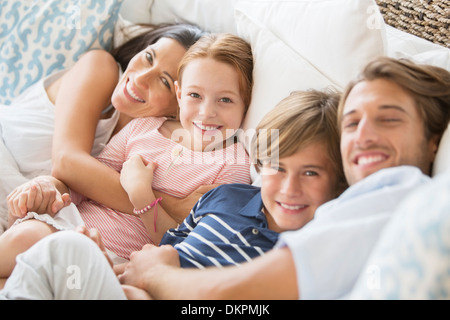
point(225, 227)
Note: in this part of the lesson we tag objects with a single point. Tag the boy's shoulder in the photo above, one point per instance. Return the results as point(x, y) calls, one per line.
point(229, 196)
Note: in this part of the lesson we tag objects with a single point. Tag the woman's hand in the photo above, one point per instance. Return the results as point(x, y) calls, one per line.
point(39, 195)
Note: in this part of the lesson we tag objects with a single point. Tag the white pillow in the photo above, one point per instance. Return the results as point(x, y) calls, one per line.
point(210, 15)
point(442, 161)
point(278, 70)
point(39, 37)
point(136, 11)
point(405, 45)
point(338, 37)
point(301, 44)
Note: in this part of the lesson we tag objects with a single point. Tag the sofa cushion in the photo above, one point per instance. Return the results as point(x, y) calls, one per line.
point(40, 37)
point(303, 44)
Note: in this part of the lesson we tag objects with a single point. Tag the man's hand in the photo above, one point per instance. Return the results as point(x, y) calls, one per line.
point(142, 263)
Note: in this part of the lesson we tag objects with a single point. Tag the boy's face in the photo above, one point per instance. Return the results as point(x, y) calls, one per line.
point(381, 128)
point(295, 186)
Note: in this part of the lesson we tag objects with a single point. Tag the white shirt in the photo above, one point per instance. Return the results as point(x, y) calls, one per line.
point(331, 250)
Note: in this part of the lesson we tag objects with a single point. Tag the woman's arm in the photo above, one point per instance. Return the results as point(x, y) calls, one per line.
point(80, 97)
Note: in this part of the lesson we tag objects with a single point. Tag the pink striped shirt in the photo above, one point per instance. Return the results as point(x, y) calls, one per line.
point(180, 172)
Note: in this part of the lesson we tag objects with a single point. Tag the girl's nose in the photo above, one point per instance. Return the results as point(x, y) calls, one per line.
point(208, 109)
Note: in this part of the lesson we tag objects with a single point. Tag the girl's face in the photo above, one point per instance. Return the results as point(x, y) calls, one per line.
point(147, 87)
point(294, 187)
point(211, 106)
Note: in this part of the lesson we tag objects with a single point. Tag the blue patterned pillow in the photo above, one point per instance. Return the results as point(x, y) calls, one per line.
point(39, 37)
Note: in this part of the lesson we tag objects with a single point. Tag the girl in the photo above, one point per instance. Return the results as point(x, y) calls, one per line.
point(79, 109)
point(219, 68)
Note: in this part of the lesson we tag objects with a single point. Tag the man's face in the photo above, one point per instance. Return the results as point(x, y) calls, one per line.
point(382, 128)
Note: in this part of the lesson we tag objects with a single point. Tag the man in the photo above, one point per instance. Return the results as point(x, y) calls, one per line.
point(391, 121)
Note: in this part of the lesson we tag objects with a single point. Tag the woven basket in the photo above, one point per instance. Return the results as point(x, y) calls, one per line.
point(428, 19)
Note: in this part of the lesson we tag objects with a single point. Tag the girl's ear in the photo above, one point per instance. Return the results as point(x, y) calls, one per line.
point(177, 90)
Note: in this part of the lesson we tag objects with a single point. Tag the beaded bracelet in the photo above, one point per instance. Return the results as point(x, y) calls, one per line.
point(147, 208)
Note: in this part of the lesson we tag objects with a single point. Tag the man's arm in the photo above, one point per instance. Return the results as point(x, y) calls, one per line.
point(272, 276)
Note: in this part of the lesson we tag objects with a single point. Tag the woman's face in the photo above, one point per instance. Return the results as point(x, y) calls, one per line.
point(294, 187)
point(147, 87)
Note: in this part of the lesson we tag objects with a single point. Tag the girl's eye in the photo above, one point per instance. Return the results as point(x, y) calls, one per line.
point(311, 173)
point(226, 100)
point(149, 57)
point(194, 95)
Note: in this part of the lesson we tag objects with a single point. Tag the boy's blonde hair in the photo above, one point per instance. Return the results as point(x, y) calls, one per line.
point(229, 49)
point(302, 118)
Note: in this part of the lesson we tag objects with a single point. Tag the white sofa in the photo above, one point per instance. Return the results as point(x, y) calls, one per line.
point(297, 44)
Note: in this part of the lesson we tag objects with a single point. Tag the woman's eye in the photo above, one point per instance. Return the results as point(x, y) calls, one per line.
point(149, 57)
point(166, 83)
point(194, 95)
point(311, 173)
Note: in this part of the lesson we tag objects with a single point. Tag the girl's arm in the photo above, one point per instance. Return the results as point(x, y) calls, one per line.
point(82, 94)
point(136, 178)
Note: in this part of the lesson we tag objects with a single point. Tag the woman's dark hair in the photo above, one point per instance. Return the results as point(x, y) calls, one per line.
point(185, 34)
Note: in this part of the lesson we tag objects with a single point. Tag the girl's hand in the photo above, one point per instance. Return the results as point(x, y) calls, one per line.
point(94, 235)
point(39, 195)
point(136, 178)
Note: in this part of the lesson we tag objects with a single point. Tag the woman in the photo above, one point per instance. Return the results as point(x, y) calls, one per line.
point(62, 122)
